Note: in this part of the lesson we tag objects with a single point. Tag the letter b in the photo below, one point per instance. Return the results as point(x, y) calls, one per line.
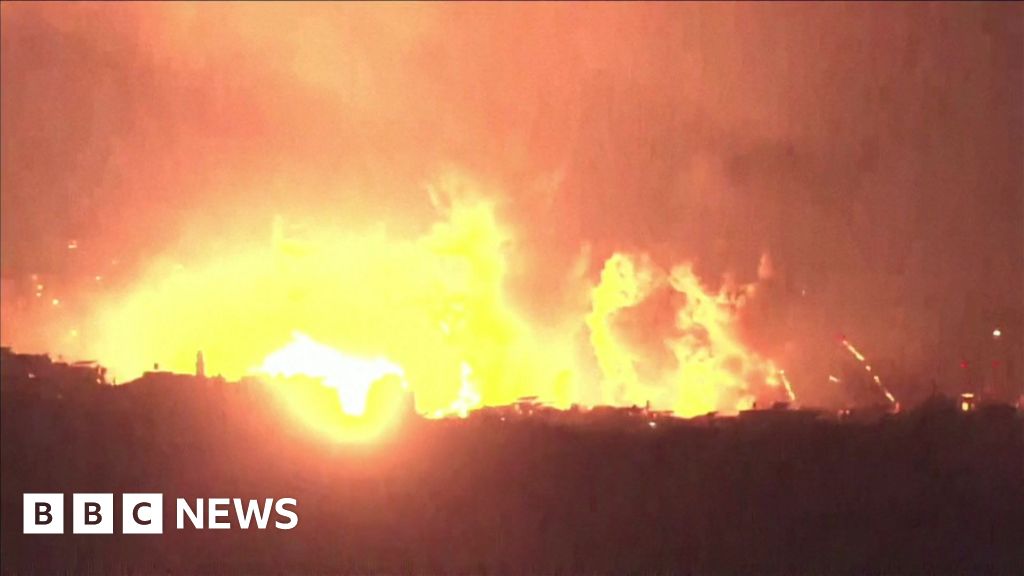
point(43, 513)
point(92, 514)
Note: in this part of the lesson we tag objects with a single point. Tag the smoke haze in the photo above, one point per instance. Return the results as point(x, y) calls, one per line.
point(872, 152)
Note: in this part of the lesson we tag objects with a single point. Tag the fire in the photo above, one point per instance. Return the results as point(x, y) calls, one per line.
point(432, 312)
point(468, 398)
point(625, 282)
point(350, 377)
point(302, 369)
point(433, 305)
point(714, 370)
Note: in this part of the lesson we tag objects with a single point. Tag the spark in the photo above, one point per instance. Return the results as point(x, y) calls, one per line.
point(789, 387)
point(856, 353)
point(867, 367)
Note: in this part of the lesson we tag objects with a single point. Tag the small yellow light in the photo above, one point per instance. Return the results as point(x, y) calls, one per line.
point(997, 333)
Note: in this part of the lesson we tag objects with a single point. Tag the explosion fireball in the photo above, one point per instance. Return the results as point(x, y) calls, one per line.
point(432, 311)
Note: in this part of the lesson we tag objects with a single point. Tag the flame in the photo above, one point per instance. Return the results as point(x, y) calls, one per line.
point(351, 377)
point(715, 371)
point(468, 398)
point(300, 371)
point(624, 283)
point(430, 311)
point(432, 305)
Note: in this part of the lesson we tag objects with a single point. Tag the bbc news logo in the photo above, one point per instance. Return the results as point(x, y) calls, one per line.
point(143, 513)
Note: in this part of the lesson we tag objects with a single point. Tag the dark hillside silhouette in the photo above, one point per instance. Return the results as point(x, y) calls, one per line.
point(931, 491)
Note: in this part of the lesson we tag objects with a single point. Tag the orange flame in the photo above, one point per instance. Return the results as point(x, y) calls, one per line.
point(715, 371)
point(433, 313)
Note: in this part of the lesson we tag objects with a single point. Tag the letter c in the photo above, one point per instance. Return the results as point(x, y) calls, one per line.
point(135, 514)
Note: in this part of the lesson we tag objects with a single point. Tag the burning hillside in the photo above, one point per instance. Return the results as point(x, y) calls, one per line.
point(433, 311)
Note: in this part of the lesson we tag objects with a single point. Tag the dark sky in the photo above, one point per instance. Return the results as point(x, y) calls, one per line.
point(875, 151)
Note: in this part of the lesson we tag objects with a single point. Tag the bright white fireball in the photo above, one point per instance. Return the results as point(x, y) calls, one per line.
point(350, 376)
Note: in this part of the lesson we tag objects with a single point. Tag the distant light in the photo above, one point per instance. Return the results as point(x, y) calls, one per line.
point(967, 401)
point(833, 378)
point(963, 364)
point(652, 424)
point(997, 333)
point(99, 278)
point(72, 244)
point(55, 301)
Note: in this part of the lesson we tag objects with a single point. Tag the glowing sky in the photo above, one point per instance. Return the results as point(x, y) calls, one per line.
point(874, 151)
